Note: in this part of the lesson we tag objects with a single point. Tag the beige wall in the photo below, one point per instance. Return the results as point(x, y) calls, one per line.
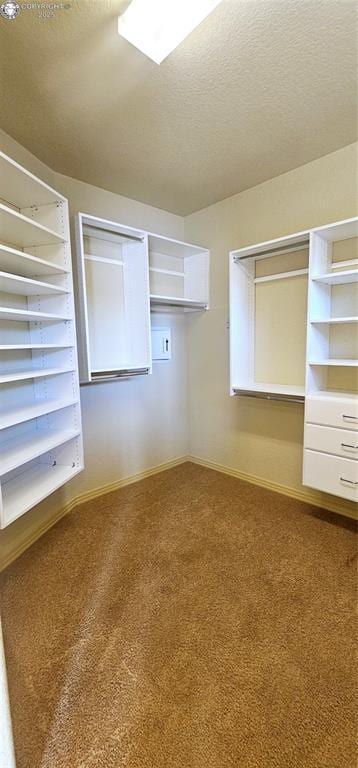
point(129, 426)
point(258, 438)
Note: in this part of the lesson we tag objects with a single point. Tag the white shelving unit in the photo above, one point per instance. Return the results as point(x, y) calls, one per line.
point(40, 420)
point(268, 310)
point(331, 414)
point(113, 312)
point(179, 275)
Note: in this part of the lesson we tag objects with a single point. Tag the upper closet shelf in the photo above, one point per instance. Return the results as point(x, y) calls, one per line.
point(343, 362)
point(25, 286)
point(22, 188)
point(334, 320)
point(278, 247)
point(19, 230)
point(13, 260)
point(337, 278)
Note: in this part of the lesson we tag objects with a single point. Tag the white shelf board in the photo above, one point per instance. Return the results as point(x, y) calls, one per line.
point(19, 450)
point(275, 247)
point(281, 275)
point(22, 188)
point(32, 410)
point(344, 362)
point(337, 278)
point(177, 302)
point(19, 230)
point(25, 286)
point(33, 485)
point(27, 315)
point(19, 347)
point(170, 272)
point(13, 260)
point(169, 247)
point(34, 373)
point(290, 390)
point(335, 320)
point(340, 230)
point(333, 395)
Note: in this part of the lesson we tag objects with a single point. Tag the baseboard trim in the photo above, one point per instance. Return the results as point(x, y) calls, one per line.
point(339, 506)
point(83, 497)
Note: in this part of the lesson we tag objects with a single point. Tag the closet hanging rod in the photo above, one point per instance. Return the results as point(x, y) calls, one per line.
point(270, 396)
point(137, 239)
point(98, 378)
point(280, 251)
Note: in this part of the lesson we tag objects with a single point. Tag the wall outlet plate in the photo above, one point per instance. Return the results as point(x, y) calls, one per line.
point(161, 344)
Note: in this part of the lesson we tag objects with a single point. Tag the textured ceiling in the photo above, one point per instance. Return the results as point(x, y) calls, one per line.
point(261, 87)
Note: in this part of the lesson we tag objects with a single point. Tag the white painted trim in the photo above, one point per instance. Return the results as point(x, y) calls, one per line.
point(7, 754)
point(317, 499)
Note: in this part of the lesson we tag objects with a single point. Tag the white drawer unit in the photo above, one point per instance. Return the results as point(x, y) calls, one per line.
point(331, 474)
point(341, 442)
point(332, 411)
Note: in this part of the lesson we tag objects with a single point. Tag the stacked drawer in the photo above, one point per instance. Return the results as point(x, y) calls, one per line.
point(330, 460)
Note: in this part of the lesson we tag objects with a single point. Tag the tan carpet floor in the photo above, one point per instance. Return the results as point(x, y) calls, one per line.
point(188, 621)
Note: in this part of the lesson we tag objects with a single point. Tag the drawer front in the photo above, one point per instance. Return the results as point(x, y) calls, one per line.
point(342, 442)
point(331, 474)
point(332, 413)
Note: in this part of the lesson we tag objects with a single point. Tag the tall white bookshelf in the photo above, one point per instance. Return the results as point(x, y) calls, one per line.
point(331, 412)
point(40, 419)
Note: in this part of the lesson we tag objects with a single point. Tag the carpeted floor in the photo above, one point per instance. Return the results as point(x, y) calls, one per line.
point(187, 621)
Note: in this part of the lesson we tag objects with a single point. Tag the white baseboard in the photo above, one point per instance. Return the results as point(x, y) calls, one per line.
point(80, 499)
point(317, 499)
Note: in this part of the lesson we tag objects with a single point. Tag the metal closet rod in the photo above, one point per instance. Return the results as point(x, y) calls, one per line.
point(98, 378)
point(111, 232)
point(276, 252)
point(270, 396)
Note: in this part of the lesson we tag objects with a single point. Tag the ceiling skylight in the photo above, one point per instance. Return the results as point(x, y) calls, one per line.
point(156, 27)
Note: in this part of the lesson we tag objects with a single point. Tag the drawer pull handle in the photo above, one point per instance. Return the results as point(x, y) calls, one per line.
point(347, 416)
point(351, 482)
point(348, 445)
